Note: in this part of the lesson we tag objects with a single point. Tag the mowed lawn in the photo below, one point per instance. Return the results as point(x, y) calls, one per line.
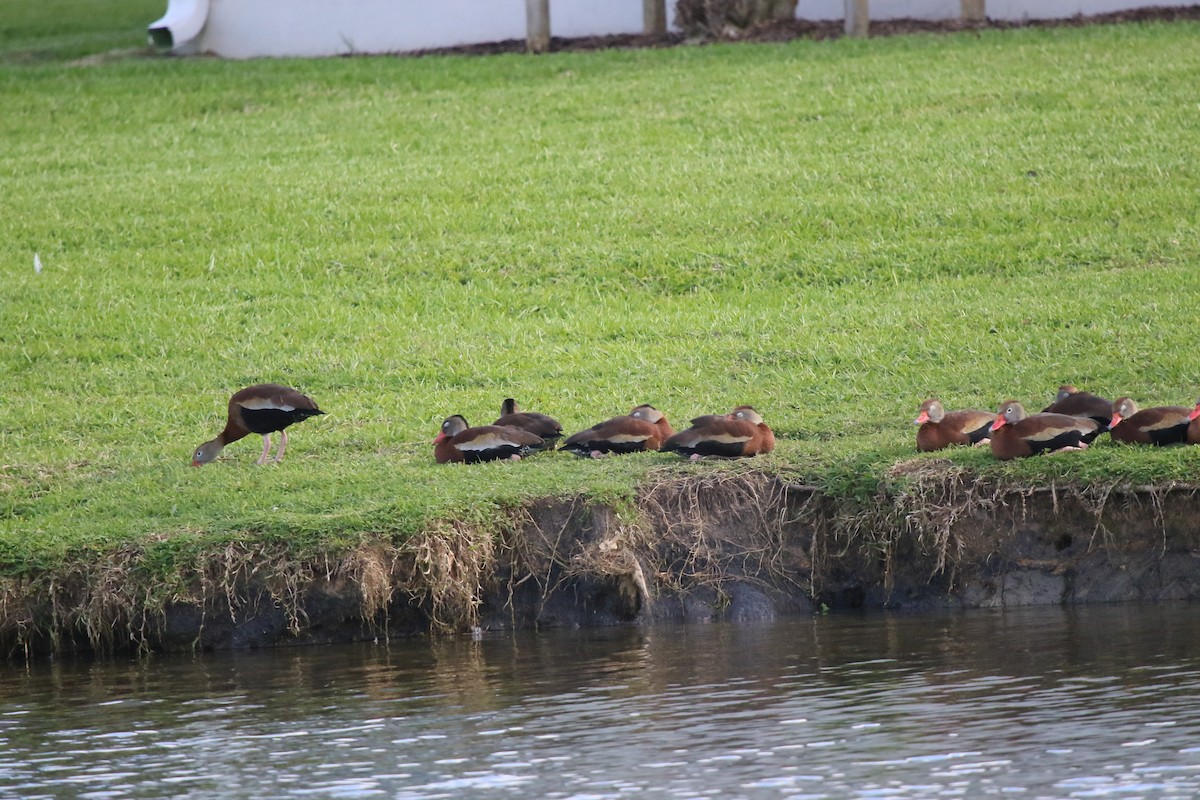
point(830, 231)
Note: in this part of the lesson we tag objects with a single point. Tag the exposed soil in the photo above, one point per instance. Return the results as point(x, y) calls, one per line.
point(822, 29)
point(726, 546)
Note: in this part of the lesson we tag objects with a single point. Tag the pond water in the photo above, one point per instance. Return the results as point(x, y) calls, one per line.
point(1038, 703)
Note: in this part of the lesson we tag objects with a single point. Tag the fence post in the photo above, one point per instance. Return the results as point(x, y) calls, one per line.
point(654, 17)
point(858, 18)
point(537, 25)
point(974, 10)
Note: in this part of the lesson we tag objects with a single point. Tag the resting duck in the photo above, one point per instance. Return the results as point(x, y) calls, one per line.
point(940, 429)
point(741, 432)
point(643, 428)
point(1074, 403)
point(1161, 425)
point(1016, 434)
point(511, 416)
point(458, 441)
point(1193, 432)
point(263, 408)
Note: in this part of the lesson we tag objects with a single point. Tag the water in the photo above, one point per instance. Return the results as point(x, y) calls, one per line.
point(1043, 703)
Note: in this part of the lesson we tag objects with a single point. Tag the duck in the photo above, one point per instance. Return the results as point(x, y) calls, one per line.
point(739, 433)
point(1193, 431)
point(1161, 425)
point(1016, 433)
point(263, 409)
point(941, 428)
point(458, 441)
point(643, 428)
point(1076, 403)
point(511, 416)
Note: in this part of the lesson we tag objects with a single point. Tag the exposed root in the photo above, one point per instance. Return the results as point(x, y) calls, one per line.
point(373, 567)
point(934, 497)
point(685, 533)
point(929, 521)
point(715, 528)
point(450, 565)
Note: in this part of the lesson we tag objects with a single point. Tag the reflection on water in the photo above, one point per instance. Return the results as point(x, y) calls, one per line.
point(1041, 703)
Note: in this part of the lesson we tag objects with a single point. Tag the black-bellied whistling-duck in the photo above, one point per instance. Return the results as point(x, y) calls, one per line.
point(652, 415)
point(1193, 431)
point(1161, 425)
point(643, 428)
point(511, 415)
point(741, 432)
point(1074, 403)
point(941, 428)
point(263, 408)
point(1016, 434)
point(458, 441)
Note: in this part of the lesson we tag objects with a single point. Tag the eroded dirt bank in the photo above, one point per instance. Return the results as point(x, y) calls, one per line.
point(739, 547)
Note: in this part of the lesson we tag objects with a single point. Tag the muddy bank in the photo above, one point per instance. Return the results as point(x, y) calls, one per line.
point(737, 547)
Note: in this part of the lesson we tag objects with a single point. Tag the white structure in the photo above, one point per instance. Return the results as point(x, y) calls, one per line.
point(256, 28)
point(1010, 10)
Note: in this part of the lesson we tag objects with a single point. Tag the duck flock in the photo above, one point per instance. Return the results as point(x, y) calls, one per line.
point(1071, 422)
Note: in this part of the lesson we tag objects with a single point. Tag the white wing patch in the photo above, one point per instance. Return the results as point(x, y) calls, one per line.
point(727, 438)
point(488, 442)
point(260, 403)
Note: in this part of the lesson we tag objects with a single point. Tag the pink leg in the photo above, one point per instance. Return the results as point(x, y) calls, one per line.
point(695, 457)
point(282, 446)
point(515, 457)
point(266, 448)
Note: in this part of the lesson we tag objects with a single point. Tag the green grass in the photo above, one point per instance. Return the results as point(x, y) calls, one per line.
point(34, 31)
point(831, 231)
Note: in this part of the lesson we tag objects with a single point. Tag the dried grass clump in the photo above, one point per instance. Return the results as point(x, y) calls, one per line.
point(449, 565)
point(718, 527)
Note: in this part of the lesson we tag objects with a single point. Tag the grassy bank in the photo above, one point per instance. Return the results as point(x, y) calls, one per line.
point(830, 231)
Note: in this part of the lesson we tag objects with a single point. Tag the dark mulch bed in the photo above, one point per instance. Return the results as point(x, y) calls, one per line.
point(823, 29)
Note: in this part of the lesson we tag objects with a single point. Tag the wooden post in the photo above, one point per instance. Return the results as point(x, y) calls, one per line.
point(654, 17)
point(974, 10)
point(858, 18)
point(537, 25)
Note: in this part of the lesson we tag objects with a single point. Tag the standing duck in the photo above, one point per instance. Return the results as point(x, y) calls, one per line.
point(511, 415)
point(1074, 403)
point(941, 428)
point(263, 408)
point(643, 428)
point(741, 432)
point(458, 441)
point(1016, 434)
point(1161, 425)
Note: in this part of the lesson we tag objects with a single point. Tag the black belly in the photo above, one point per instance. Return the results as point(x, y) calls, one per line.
point(1176, 434)
point(495, 453)
point(269, 420)
point(1070, 438)
point(710, 448)
point(980, 433)
point(605, 446)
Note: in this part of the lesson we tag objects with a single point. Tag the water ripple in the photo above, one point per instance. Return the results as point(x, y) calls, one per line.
point(1045, 704)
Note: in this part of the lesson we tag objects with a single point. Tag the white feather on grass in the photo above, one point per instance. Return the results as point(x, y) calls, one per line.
point(37, 264)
